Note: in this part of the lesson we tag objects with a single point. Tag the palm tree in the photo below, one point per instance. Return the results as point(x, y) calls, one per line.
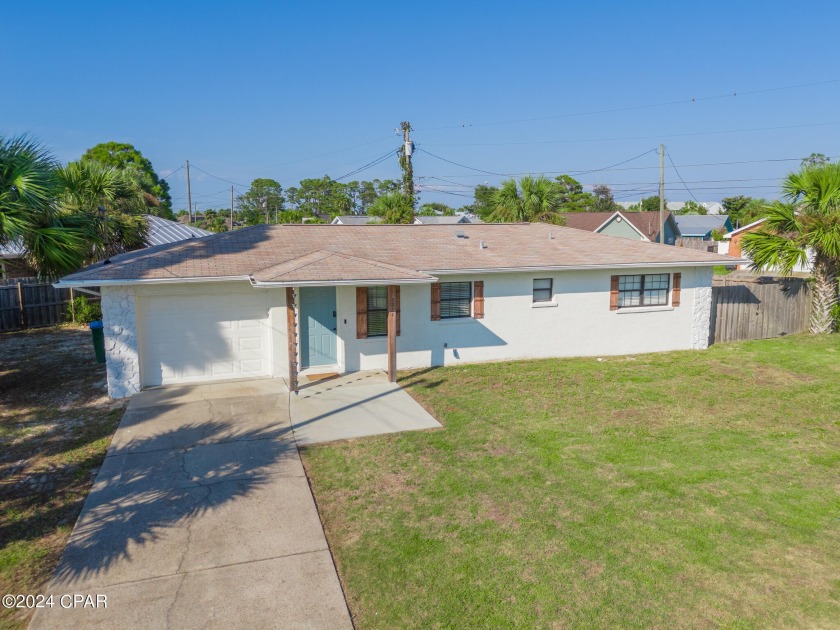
point(85, 187)
point(51, 242)
point(534, 199)
point(393, 208)
point(806, 224)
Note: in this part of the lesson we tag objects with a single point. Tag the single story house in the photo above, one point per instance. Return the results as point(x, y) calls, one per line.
point(279, 300)
point(641, 226)
point(701, 226)
point(161, 231)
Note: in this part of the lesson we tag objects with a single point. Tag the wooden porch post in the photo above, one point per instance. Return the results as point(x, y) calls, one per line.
point(291, 335)
point(392, 333)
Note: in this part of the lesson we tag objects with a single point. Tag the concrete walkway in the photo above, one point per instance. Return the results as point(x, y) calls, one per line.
point(352, 406)
point(201, 517)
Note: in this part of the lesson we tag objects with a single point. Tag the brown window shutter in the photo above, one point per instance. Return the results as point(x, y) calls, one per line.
point(397, 293)
point(361, 312)
point(435, 302)
point(478, 299)
point(675, 295)
point(614, 293)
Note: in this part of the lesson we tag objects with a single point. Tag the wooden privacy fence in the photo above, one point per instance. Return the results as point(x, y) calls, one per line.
point(28, 303)
point(698, 244)
point(758, 308)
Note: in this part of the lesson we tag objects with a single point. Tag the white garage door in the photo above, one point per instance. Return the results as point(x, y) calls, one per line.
point(190, 338)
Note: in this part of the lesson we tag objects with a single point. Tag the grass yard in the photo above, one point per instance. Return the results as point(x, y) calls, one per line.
point(688, 489)
point(56, 422)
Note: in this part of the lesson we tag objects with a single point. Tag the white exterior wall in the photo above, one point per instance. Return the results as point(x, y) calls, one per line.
point(578, 322)
point(122, 357)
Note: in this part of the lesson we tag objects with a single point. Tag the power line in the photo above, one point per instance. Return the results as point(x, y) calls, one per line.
point(173, 172)
point(642, 168)
point(624, 138)
point(681, 178)
point(221, 179)
point(367, 166)
point(635, 107)
point(606, 168)
point(464, 165)
point(314, 157)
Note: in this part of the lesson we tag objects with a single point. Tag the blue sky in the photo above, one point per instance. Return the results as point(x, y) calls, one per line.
point(294, 90)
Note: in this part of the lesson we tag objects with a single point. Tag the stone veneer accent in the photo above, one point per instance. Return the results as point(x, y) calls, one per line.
point(702, 308)
point(119, 318)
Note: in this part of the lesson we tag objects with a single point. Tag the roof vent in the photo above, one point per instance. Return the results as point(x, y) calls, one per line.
point(482, 245)
point(460, 235)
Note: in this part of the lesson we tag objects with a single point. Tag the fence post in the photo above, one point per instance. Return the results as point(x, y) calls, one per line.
point(20, 305)
point(72, 306)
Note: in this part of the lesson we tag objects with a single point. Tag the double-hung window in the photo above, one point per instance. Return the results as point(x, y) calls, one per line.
point(643, 290)
point(377, 311)
point(543, 290)
point(455, 299)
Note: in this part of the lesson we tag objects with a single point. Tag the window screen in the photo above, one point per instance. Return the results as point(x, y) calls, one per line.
point(643, 290)
point(455, 299)
point(377, 311)
point(542, 290)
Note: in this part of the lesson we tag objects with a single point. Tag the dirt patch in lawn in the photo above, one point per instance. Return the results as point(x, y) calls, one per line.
point(56, 422)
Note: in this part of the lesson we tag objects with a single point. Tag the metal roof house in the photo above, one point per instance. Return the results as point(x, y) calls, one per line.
point(161, 231)
point(701, 225)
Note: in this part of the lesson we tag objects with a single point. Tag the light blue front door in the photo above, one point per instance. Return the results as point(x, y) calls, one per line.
point(317, 326)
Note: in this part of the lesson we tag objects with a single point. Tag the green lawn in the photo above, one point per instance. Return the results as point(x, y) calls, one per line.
point(688, 489)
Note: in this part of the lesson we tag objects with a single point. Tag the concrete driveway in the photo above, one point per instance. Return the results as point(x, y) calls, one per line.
point(201, 517)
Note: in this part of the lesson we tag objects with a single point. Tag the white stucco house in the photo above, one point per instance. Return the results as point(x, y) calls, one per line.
point(276, 301)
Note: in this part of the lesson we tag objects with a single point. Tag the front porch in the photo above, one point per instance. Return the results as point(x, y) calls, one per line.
point(317, 330)
point(354, 405)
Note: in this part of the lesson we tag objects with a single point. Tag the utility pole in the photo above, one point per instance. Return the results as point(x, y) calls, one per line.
point(661, 193)
point(189, 196)
point(231, 208)
point(405, 161)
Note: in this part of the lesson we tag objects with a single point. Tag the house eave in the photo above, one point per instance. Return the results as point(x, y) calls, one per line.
point(72, 284)
point(361, 282)
point(636, 265)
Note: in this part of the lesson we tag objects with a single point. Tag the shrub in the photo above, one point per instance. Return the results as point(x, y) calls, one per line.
point(85, 311)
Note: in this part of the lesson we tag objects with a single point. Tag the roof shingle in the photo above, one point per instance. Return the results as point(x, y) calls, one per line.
point(302, 253)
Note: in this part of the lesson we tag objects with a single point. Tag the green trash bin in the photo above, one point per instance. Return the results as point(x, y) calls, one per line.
point(98, 340)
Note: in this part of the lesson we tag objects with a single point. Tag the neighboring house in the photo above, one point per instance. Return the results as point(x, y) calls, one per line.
point(444, 220)
point(701, 226)
point(12, 264)
point(161, 232)
point(731, 245)
point(363, 219)
point(354, 219)
point(640, 226)
point(234, 304)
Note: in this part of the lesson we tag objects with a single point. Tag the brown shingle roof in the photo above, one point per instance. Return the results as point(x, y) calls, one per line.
point(646, 222)
point(300, 253)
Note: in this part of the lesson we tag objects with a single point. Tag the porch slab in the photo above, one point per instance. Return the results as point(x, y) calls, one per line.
point(352, 406)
